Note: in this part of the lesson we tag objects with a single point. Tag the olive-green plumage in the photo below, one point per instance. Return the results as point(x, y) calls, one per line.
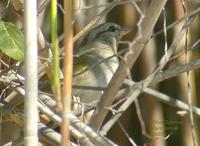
point(100, 43)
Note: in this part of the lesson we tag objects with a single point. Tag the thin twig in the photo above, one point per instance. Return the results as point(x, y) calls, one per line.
point(195, 12)
point(183, 51)
point(165, 33)
point(172, 101)
point(140, 118)
point(92, 23)
point(127, 135)
point(107, 4)
point(191, 117)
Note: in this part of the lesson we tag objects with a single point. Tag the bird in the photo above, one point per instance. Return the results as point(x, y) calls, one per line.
point(95, 61)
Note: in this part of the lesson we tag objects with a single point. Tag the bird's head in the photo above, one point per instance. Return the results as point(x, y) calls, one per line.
point(106, 32)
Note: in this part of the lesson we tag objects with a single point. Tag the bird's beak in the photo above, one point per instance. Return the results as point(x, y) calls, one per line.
point(124, 31)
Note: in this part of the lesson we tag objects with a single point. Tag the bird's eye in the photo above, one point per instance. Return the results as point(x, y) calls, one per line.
point(112, 29)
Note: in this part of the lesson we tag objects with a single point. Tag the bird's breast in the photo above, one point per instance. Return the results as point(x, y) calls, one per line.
point(101, 66)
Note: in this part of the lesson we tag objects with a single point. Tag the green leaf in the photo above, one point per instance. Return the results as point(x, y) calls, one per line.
point(11, 41)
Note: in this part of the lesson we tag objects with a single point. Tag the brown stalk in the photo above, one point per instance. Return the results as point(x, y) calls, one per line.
point(68, 70)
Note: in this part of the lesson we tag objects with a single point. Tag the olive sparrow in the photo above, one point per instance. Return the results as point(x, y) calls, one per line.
point(91, 66)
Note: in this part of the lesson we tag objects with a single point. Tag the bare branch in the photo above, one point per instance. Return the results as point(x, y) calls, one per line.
point(144, 32)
